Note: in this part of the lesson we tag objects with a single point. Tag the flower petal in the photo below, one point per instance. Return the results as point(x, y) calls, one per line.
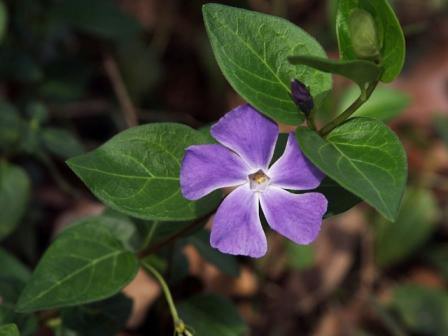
point(206, 168)
point(296, 216)
point(293, 170)
point(236, 227)
point(249, 134)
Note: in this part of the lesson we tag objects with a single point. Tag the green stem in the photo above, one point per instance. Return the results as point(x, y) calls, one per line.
point(365, 95)
point(179, 325)
point(310, 120)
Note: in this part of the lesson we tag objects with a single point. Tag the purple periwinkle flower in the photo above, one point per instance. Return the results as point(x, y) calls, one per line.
point(241, 160)
point(301, 96)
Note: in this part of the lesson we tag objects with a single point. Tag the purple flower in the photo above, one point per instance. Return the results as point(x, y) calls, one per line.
point(241, 160)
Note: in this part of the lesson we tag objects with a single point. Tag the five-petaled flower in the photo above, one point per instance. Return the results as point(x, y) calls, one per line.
point(241, 160)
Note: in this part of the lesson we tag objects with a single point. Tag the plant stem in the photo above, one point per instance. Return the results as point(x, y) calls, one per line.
point(179, 325)
point(365, 95)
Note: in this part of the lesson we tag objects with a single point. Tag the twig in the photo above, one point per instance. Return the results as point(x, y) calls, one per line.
point(114, 75)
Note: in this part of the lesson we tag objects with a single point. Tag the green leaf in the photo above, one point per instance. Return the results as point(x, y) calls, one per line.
point(224, 262)
point(14, 195)
point(103, 318)
point(13, 268)
point(251, 49)
point(137, 172)
point(365, 157)
point(415, 222)
point(359, 71)
point(390, 35)
point(339, 199)
point(11, 127)
point(9, 330)
point(103, 18)
point(61, 142)
point(424, 310)
point(86, 263)
point(209, 314)
point(385, 103)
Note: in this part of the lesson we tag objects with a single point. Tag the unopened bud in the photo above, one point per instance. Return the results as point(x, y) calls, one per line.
point(301, 96)
point(363, 33)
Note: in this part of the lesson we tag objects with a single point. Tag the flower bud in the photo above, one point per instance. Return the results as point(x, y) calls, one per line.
point(301, 96)
point(363, 33)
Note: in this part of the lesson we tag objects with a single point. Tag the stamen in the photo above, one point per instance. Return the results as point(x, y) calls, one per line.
point(258, 180)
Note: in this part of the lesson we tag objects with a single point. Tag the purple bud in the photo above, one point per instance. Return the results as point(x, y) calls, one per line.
point(301, 96)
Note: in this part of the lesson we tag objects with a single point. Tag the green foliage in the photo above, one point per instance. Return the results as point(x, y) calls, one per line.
point(251, 50)
point(11, 126)
point(360, 71)
point(208, 314)
point(339, 199)
point(413, 226)
point(12, 268)
point(389, 34)
point(224, 262)
point(385, 103)
point(423, 310)
point(9, 330)
point(86, 263)
point(14, 195)
point(61, 142)
point(137, 172)
point(438, 256)
point(363, 156)
point(441, 127)
point(300, 257)
point(3, 20)
point(103, 318)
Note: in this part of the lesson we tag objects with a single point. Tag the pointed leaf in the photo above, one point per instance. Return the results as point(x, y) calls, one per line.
point(365, 157)
point(251, 49)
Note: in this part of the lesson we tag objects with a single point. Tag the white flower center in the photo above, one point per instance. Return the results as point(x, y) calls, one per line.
point(259, 181)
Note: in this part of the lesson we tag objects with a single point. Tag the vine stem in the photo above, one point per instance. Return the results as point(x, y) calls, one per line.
point(179, 326)
point(365, 95)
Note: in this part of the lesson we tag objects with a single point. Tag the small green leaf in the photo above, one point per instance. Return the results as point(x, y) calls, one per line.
point(339, 199)
point(385, 103)
point(224, 262)
point(137, 172)
point(14, 194)
point(86, 263)
point(251, 49)
point(103, 318)
point(365, 157)
point(415, 223)
point(424, 310)
point(359, 71)
point(209, 314)
point(9, 330)
point(61, 142)
point(389, 34)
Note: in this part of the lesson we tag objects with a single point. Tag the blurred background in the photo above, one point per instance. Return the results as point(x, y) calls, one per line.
point(74, 73)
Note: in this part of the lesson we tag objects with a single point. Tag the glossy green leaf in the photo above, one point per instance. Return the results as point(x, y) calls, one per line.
point(339, 199)
point(137, 172)
point(103, 18)
point(252, 49)
point(360, 71)
point(103, 318)
point(365, 157)
point(390, 35)
point(9, 330)
point(61, 142)
point(423, 310)
point(385, 103)
point(86, 263)
point(224, 262)
point(209, 314)
point(14, 194)
point(414, 225)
